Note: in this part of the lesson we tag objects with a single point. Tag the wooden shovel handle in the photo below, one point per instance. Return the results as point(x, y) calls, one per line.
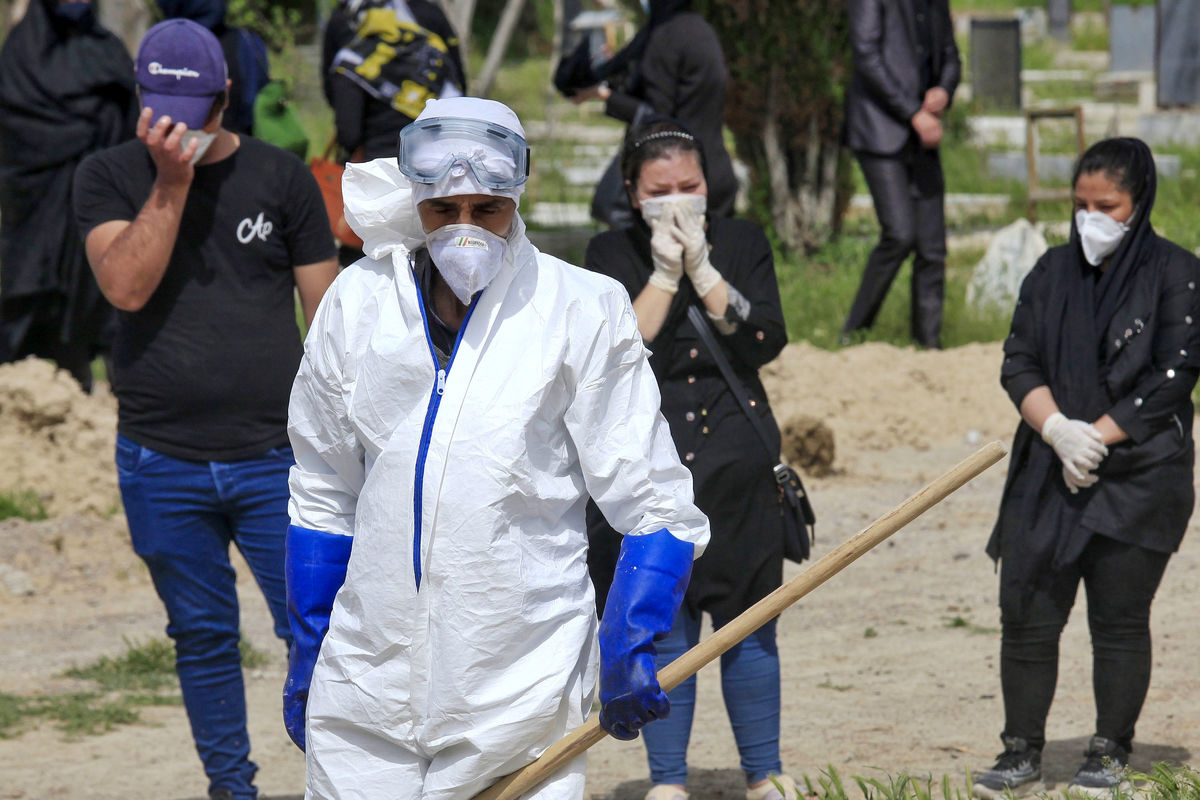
point(577, 741)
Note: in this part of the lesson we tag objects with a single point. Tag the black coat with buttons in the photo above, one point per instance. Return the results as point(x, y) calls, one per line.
point(731, 468)
point(1126, 346)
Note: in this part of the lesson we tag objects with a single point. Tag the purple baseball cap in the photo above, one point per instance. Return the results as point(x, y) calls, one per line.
point(181, 70)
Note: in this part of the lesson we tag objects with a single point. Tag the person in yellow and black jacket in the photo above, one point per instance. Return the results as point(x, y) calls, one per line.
point(383, 61)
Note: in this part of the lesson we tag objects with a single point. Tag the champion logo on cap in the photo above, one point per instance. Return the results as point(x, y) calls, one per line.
point(155, 68)
point(181, 71)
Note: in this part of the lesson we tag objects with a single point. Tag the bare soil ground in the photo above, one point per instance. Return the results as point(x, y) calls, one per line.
point(889, 668)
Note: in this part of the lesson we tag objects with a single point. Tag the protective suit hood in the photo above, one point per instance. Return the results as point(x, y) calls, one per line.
point(380, 207)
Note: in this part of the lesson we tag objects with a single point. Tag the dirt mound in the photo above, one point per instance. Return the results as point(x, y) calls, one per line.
point(58, 442)
point(808, 444)
point(876, 397)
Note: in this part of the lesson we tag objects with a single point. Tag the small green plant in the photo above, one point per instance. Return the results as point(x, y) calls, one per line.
point(11, 711)
point(252, 658)
point(144, 675)
point(970, 627)
point(870, 633)
point(146, 665)
point(1167, 782)
point(22, 504)
point(837, 687)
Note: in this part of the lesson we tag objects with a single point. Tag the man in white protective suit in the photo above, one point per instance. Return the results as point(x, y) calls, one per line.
point(461, 396)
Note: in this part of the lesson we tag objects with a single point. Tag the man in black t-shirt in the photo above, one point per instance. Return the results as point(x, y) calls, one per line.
point(200, 238)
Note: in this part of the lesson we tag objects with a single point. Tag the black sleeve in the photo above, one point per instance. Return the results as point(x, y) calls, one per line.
point(762, 335)
point(1168, 384)
point(349, 111)
point(622, 106)
point(866, 40)
point(338, 33)
point(305, 223)
point(663, 68)
point(612, 254)
point(97, 198)
point(951, 64)
point(1022, 370)
point(431, 18)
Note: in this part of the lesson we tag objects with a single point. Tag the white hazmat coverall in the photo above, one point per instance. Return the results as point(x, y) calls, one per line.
point(474, 478)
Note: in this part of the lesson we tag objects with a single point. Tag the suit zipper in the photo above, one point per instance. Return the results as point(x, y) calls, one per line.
point(435, 400)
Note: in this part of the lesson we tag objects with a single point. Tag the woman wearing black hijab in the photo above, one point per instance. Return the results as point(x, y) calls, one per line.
point(674, 66)
point(1101, 361)
point(66, 90)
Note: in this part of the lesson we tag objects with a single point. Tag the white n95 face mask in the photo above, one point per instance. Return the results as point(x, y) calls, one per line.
point(205, 141)
point(467, 257)
point(1099, 234)
point(656, 207)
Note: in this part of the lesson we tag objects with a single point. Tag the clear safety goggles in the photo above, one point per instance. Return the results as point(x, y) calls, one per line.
point(429, 149)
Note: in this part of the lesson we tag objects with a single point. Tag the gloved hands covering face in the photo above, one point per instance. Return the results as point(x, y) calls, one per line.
point(666, 252)
point(1078, 445)
point(690, 229)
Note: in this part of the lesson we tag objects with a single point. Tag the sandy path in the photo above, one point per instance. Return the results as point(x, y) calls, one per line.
point(876, 680)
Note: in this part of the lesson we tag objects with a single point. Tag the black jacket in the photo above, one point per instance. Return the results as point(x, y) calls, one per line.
point(64, 93)
point(681, 73)
point(731, 470)
point(887, 88)
point(1145, 367)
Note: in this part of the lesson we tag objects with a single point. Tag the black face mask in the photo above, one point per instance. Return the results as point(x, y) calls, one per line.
point(76, 14)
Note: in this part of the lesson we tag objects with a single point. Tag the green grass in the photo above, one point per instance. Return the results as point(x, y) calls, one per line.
point(1163, 782)
point(143, 675)
point(149, 665)
point(817, 291)
point(22, 504)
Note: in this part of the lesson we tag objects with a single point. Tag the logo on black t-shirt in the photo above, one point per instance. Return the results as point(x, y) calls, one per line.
point(247, 229)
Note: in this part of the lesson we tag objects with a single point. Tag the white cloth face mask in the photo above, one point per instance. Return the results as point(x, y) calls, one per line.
point(1099, 234)
point(204, 138)
point(467, 257)
point(656, 207)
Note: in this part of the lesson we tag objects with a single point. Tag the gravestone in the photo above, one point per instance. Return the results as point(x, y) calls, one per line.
point(1131, 38)
point(1058, 18)
point(1178, 63)
point(996, 63)
point(996, 279)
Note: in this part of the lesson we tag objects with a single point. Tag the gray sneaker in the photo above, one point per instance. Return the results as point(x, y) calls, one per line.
point(1103, 773)
point(1017, 766)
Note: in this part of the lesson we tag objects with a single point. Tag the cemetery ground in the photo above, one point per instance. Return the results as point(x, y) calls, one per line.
point(888, 670)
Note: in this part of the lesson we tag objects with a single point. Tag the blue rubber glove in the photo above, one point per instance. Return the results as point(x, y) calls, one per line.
point(652, 574)
point(315, 568)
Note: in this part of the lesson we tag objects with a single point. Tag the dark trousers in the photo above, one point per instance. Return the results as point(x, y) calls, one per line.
point(908, 190)
point(1120, 580)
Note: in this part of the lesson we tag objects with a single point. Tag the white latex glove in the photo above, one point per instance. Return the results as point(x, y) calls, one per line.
point(1074, 484)
point(1077, 444)
point(666, 253)
point(690, 230)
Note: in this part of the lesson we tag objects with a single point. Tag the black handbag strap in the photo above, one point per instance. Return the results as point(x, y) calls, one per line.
point(735, 386)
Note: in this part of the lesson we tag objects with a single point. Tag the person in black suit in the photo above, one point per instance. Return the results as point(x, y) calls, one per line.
point(906, 68)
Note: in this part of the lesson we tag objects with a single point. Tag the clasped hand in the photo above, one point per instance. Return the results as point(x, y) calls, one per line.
point(1080, 447)
point(678, 244)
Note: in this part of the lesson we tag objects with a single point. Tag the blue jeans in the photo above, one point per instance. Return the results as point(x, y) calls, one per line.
point(750, 686)
point(182, 516)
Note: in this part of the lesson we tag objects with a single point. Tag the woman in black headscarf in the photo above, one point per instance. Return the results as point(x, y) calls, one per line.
point(1101, 361)
point(66, 90)
point(673, 66)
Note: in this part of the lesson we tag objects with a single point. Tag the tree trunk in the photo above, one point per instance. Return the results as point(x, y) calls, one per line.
point(460, 13)
point(495, 55)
